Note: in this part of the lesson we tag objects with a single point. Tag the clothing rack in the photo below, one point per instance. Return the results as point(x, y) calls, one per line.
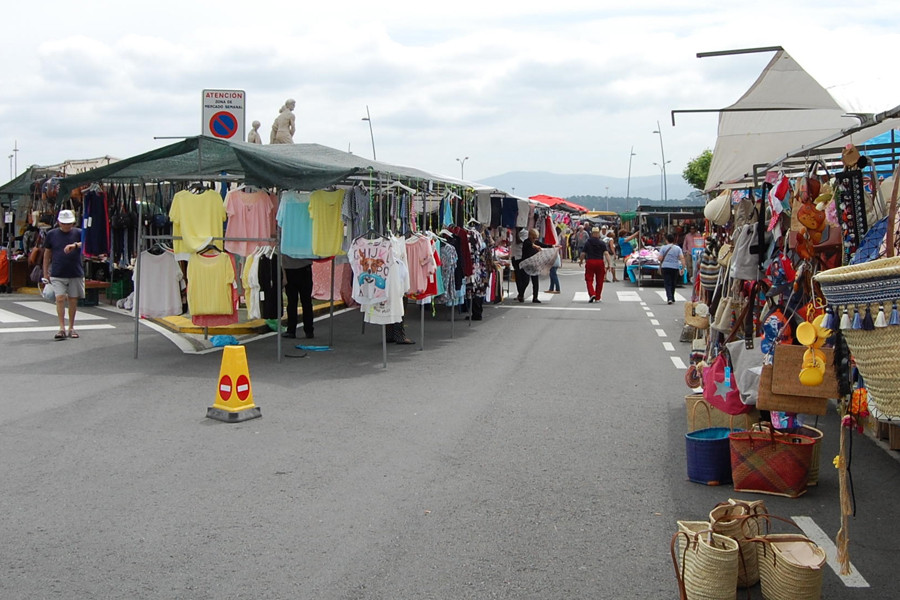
point(137, 283)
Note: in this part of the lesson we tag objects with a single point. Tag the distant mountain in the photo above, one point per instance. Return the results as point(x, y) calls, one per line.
point(532, 183)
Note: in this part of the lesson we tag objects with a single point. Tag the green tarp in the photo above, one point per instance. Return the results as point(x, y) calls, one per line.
point(286, 166)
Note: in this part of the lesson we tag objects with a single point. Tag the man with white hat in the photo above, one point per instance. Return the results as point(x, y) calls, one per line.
point(63, 270)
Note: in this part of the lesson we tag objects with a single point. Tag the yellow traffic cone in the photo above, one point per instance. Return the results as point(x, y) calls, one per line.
point(234, 396)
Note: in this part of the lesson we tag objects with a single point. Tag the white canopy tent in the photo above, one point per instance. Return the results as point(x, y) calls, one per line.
point(785, 113)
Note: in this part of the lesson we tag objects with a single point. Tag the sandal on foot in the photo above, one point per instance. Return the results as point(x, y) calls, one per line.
point(60, 335)
point(73, 334)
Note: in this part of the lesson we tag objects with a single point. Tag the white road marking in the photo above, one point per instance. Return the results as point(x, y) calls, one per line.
point(581, 297)
point(679, 364)
point(669, 346)
point(54, 328)
point(815, 533)
point(650, 314)
point(653, 321)
point(627, 296)
point(11, 317)
point(661, 333)
point(644, 304)
point(662, 296)
point(50, 309)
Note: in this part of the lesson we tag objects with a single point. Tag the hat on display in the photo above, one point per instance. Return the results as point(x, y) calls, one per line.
point(595, 230)
point(66, 216)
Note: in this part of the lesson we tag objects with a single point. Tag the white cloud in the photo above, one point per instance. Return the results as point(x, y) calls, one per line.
point(567, 86)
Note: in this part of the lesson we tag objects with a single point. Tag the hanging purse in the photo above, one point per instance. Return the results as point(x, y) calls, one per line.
point(718, 210)
point(720, 387)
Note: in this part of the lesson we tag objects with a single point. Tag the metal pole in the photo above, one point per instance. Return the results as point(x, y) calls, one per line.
point(368, 118)
point(628, 184)
point(662, 152)
point(331, 310)
point(462, 167)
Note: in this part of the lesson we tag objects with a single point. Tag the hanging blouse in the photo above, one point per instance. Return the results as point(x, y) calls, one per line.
point(250, 215)
point(197, 219)
point(328, 229)
point(210, 281)
point(159, 280)
point(371, 262)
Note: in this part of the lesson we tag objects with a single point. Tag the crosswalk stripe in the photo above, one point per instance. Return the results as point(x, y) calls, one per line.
point(11, 317)
point(39, 329)
point(627, 296)
point(815, 533)
point(662, 296)
point(50, 309)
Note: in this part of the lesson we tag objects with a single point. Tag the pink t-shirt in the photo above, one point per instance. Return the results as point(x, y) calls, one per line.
point(249, 216)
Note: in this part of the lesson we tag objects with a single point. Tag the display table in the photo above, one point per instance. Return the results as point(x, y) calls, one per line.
point(650, 272)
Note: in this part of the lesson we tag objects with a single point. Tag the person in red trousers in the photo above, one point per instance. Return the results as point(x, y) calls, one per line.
point(592, 257)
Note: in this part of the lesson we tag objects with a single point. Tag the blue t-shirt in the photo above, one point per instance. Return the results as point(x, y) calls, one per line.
point(62, 264)
point(672, 256)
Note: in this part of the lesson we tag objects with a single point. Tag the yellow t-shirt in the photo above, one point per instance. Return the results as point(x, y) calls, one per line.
point(197, 218)
point(328, 228)
point(210, 279)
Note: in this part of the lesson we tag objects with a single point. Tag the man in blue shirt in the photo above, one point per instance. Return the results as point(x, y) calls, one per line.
point(62, 264)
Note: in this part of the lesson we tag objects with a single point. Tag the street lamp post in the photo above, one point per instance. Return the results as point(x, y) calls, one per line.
point(16, 154)
point(10, 167)
point(368, 118)
point(607, 198)
point(662, 152)
point(662, 180)
point(462, 167)
point(628, 184)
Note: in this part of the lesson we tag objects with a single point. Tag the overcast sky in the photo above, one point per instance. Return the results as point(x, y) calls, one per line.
point(565, 86)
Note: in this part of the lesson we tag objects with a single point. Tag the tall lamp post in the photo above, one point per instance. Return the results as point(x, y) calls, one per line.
point(10, 167)
point(662, 152)
point(462, 167)
point(607, 198)
point(368, 118)
point(662, 180)
point(628, 184)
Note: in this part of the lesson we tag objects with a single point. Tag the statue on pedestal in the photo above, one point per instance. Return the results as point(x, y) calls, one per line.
point(284, 126)
point(253, 136)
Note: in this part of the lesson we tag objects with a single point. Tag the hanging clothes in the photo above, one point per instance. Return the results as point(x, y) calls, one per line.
point(328, 229)
point(420, 262)
point(391, 310)
point(250, 215)
point(160, 282)
point(371, 262)
point(296, 225)
point(95, 220)
point(196, 219)
point(210, 284)
point(267, 272)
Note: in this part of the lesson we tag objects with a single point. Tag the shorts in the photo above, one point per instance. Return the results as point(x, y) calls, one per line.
point(73, 287)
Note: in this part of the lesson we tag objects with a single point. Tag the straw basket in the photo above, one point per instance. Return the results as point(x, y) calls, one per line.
point(790, 567)
point(708, 565)
point(726, 519)
point(870, 285)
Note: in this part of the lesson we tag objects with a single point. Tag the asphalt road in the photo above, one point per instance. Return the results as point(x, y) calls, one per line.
point(538, 454)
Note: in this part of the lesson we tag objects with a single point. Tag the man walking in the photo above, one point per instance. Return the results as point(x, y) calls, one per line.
point(594, 266)
point(62, 264)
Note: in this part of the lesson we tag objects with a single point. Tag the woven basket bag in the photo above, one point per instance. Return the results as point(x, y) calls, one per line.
point(706, 565)
point(874, 286)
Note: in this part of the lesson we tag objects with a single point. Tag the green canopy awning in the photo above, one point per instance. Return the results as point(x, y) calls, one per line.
point(287, 166)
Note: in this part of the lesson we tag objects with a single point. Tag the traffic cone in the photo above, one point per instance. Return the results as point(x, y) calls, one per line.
point(234, 396)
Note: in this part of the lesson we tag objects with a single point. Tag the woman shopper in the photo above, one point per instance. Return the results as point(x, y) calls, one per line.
point(530, 247)
point(671, 263)
point(610, 257)
point(554, 275)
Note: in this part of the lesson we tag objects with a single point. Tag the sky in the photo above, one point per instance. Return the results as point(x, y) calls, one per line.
point(458, 88)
